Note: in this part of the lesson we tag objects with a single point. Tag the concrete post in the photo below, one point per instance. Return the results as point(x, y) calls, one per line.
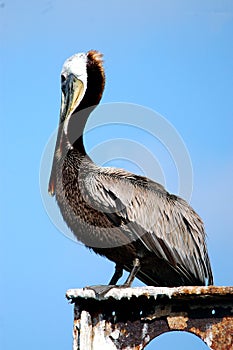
point(129, 318)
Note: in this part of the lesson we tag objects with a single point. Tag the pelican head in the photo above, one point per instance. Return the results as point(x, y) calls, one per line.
point(82, 76)
point(73, 86)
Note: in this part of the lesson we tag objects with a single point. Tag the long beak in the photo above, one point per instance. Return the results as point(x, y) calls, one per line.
point(52, 179)
point(72, 94)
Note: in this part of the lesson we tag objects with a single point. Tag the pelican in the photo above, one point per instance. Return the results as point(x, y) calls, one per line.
point(130, 219)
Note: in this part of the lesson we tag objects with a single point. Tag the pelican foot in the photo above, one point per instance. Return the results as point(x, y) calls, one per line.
point(101, 290)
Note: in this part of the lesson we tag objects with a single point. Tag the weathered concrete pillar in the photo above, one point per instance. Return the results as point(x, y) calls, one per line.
point(129, 318)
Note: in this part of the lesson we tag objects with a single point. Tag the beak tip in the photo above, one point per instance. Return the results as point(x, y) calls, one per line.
point(51, 189)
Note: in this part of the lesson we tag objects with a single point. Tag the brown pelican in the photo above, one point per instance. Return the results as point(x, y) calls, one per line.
point(130, 219)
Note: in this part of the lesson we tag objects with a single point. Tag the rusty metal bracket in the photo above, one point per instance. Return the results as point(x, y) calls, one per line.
point(129, 318)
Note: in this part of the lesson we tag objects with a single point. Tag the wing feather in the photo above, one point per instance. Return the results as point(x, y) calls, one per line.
point(164, 223)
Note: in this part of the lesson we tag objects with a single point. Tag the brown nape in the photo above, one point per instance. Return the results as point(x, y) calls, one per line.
point(95, 80)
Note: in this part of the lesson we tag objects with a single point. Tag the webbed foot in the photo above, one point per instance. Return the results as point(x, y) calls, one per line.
point(101, 290)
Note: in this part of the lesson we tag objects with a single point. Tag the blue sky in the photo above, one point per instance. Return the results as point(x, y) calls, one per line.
point(174, 57)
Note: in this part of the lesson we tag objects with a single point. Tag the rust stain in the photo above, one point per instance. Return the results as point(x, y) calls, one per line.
point(75, 330)
point(223, 333)
point(219, 335)
point(210, 290)
point(124, 332)
point(177, 322)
